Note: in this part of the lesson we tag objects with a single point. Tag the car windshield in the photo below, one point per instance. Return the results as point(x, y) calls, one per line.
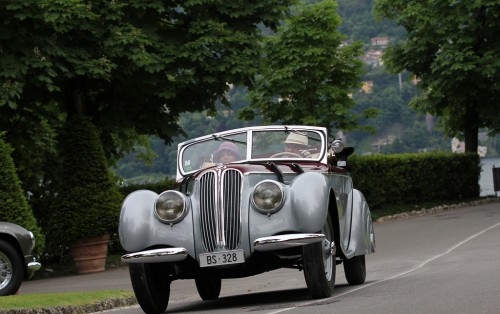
point(251, 144)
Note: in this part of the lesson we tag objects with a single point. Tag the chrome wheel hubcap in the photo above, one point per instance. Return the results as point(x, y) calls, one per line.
point(5, 270)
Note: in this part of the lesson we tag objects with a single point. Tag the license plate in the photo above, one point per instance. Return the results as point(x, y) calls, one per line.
point(222, 258)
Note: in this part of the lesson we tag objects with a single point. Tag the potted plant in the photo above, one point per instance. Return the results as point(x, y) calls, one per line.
point(86, 208)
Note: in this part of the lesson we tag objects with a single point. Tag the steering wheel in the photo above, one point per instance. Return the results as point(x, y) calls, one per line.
point(286, 155)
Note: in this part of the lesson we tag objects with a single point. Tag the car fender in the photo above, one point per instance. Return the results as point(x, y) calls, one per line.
point(139, 229)
point(362, 239)
point(309, 201)
point(304, 209)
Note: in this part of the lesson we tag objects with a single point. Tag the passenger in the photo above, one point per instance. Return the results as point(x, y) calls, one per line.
point(226, 153)
point(297, 143)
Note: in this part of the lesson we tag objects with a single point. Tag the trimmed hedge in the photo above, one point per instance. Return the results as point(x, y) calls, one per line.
point(166, 184)
point(397, 179)
point(416, 178)
point(14, 206)
point(89, 203)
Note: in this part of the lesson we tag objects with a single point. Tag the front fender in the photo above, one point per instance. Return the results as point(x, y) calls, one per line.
point(309, 200)
point(362, 240)
point(139, 229)
point(304, 210)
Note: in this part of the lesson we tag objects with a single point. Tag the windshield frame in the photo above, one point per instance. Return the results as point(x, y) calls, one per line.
point(186, 165)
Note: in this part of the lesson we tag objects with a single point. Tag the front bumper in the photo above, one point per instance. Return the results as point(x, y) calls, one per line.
point(168, 255)
point(265, 244)
point(286, 241)
point(31, 265)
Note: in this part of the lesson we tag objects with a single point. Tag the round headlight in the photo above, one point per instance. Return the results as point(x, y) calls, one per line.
point(170, 207)
point(268, 197)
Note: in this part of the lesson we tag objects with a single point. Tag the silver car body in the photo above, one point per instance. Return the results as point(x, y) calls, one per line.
point(24, 241)
point(227, 221)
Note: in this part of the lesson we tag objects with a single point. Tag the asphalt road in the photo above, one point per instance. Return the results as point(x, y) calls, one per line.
point(447, 262)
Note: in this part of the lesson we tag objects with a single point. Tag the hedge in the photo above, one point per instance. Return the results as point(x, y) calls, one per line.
point(89, 203)
point(416, 178)
point(158, 187)
point(14, 207)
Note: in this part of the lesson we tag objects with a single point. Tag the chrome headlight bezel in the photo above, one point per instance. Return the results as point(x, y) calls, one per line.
point(277, 192)
point(181, 206)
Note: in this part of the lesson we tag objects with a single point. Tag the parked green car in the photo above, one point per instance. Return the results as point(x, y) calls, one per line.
point(16, 260)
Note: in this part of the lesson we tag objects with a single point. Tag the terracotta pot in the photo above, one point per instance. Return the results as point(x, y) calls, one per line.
point(89, 254)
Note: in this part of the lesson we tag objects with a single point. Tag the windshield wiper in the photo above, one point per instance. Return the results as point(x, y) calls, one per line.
point(219, 137)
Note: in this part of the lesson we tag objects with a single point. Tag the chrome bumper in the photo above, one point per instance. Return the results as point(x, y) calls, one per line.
point(31, 265)
point(286, 241)
point(168, 255)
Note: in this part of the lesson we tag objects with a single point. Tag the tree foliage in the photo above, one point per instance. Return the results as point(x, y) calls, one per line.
point(453, 48)
point(133, 66)
point(88, 205)
point(14, 207)
point(307, 73)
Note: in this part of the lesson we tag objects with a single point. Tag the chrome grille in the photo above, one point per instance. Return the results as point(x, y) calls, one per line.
point(220, 192)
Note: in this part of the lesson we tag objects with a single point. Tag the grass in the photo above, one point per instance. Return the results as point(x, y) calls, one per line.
point(77, 300)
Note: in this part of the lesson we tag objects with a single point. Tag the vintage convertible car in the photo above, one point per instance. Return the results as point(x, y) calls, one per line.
point(248, 201)
point(16, 259)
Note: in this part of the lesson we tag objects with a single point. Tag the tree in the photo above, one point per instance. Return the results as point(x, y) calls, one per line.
point(130, 66)
point(453, 48)
point(307, 73)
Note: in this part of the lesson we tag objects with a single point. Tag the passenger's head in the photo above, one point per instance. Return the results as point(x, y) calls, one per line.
point(295, 142)
point(226, 153)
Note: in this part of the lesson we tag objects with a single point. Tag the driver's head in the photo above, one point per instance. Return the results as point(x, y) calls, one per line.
point(295, 142)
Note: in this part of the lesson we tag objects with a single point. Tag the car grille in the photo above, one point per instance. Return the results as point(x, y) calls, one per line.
point(220, 192)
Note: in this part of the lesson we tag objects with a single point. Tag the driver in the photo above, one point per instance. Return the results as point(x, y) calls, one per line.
point(226, 153)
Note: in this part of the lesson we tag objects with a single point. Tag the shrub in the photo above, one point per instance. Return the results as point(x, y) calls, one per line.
point(158, 187)
point(14, 207)
point(89, 201)
point(416, 178)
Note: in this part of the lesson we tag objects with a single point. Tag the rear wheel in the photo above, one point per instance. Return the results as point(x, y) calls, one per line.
point(355, 270)
point(151, 284)
point(208, 287)
point(11, 269)
point(319, 264)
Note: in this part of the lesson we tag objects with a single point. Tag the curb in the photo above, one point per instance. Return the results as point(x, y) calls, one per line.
point(434, 210)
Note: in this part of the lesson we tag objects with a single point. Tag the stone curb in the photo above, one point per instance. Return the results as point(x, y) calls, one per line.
point(434, 210)
point(77, 309)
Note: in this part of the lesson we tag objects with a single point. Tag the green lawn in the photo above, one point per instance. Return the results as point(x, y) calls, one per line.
point(82, 302)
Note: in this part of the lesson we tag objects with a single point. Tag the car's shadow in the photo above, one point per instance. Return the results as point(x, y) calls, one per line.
point(258, 301)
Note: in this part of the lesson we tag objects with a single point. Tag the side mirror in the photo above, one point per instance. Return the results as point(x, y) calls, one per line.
point(337, 154)
point(337, 146)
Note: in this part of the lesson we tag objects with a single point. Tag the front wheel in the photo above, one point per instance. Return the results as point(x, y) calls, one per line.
point(208, 287)
point(11, 269)
point(320, 265)
point(151, 284)
point(355, 270)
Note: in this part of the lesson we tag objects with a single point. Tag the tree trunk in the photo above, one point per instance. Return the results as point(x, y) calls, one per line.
point(471, 129)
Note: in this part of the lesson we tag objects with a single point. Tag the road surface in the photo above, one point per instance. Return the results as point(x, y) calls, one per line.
point(448, 262)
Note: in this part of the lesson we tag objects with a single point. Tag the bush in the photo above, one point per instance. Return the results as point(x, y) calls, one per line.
point(14, 207)
point(416, 178)
point(89, 201)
